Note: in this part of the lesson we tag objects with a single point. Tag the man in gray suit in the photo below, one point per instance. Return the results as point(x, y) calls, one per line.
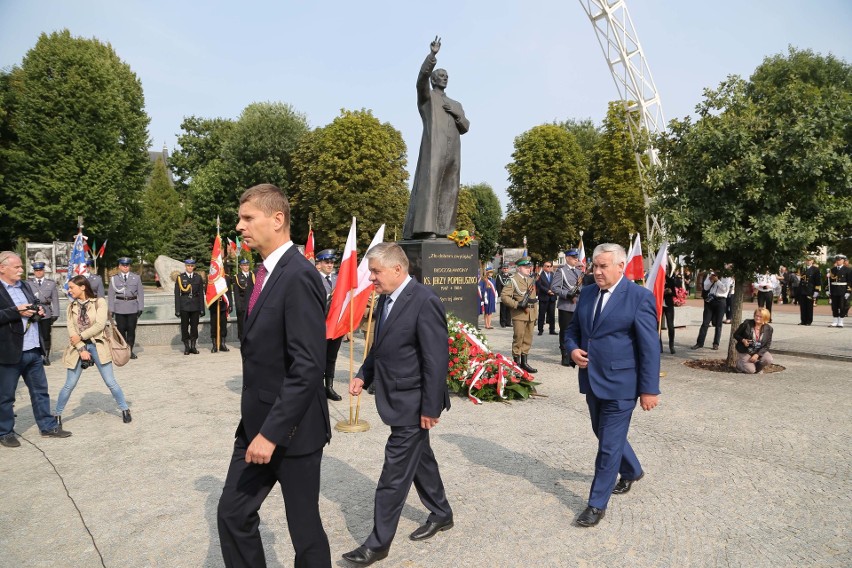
point(46, 293)
point(126, 301)
point(567, 284)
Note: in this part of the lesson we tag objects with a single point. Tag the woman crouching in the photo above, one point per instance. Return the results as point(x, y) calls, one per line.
point(753, 338)
point(87, 318)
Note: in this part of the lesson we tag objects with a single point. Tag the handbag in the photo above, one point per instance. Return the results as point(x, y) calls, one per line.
point(119, 350)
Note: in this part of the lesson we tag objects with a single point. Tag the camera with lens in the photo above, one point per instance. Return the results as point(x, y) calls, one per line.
point(84, 364)
point(36, 317)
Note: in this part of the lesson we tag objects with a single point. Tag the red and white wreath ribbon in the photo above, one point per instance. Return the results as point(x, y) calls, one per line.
point(503, 365)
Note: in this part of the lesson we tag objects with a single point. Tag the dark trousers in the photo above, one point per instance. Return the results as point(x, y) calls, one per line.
point(408, 458)
point(45, 329)
point(189, 325)
point(713, 312)
point(546, 309)
point(247, 486)
point(126, 324)
point(505, 315)
point(217, 316)
point(332, 346)
point(668, 313)
point(764, 300)
point(241, 319)
point(806, 309)
point(729, 307)
point(565, 318)
point(837, 304)
point(610, 423)
point(31, 367)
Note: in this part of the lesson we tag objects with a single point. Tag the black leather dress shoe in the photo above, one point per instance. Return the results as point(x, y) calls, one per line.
point(430, 529)
point(696, 346)
point(623, 485)
point(363, 556)
point(223, 347)
point(554, 332)
point(541, 332)
point(133, 355)
point(46, 361)
point(590, 517)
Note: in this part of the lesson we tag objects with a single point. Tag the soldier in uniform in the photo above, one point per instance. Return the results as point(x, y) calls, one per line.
point(94, 279)
point(839, 288)
point(46, 293)
point(189, 305)
point(219, 311)
point(521, 298)
point(567, 284)
point(502, 281)
point(325, 265)
point(242, 285)
point(810, 281)
point(126, 299)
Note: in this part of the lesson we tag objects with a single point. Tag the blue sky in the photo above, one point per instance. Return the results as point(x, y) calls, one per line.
point(513, 65)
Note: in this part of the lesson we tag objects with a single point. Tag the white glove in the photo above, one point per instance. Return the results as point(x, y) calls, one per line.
point(816, 295)
point(846, 296)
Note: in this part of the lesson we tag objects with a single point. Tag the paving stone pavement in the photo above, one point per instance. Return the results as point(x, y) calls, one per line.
point(747, 471)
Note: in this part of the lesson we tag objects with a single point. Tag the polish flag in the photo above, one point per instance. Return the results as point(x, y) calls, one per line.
point(337, 323)
point(582, 254)
point(656, 282)
point(634, 269)
point(216, 283)
point(103, 249)
point(309, 245)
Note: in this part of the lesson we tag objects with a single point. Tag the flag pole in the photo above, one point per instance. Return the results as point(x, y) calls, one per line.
point(216, 303)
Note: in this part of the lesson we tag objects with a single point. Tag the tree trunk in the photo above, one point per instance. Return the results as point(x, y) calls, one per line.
point(736, 318)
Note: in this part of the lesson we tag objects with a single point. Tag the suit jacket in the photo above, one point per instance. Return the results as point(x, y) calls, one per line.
point(47, 295)
point(409, 358)
point(12, 326)
point(120, 291)
point(283, 351)
point(623, 345)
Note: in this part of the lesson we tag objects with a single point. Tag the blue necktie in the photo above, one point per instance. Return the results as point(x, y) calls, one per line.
point(599, 306)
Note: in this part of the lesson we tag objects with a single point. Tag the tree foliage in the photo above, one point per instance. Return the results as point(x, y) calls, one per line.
point(548, 191)
point(466, 211)
point(487, 218)
point(162, 213)
point(352, 167)
point(200, 144)
point(74, 142)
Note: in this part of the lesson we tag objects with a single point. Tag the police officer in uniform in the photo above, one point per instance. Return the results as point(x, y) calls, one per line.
point(219, 312)
point(502, 281)
point(521, 298)
point(242, 285)
point(809, 287)
point(46, 293)
point(325, 265)
point(567, 284)
point(839, 288)
point(189, 305)
point(95, 280)
point(126, 300)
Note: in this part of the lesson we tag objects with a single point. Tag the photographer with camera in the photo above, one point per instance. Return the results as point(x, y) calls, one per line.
point(715, 293)
point(519, 295)
point(753, 339)
point(87, 318)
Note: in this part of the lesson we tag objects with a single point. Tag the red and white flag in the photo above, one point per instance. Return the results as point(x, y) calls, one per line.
point(309, 246)
point(338, 324)
point(656, 282)
point(103, 249)
point(635, 269)
point(216, 283)
point(582, 254)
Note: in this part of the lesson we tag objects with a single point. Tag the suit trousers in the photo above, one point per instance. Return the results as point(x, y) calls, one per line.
point(806, 310)
point(189, 325)
point(126, 324)
point(522, 336)
point(241, 319)
point(610, 423)
point(837, 306)
point(246, 487)
point(565, 318)
point(45, 332)
point(332, 347)
point(505, 315)
point(217, 316)
point(408, 458)
point(546, 309)
point(713, 312)
point(764, 300)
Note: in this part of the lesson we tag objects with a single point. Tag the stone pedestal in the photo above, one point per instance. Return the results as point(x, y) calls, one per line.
point(451, 271)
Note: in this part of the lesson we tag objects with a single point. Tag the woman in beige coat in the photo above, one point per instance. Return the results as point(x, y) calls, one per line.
point(87, 318)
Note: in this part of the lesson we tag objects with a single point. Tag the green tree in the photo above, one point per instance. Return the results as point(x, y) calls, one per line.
point(764, 173)
point(466, 211)
point(352, 167)
point(487, 218)
point(162, 213)
point(200, 144)
point(75, 142)
point(619, 206)
point(190, 241)
point(548, 191)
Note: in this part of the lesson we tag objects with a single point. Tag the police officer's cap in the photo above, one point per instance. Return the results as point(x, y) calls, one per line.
point(189, 261)
point(489, 268)
point(840, 257)
point(38, 266)
point(125, 261)
point(244, 261)
point(572, 252)
point(90, 262)
point(504, 265)
point(326, 254)
point(523, 261)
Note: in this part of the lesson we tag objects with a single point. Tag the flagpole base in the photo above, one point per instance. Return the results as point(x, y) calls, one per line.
point(346, 426)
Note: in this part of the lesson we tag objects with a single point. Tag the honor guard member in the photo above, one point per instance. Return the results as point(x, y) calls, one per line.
point(242, 286)
point(839, 288)
point(502, 281)
point(189, 305)
point(219, 312)
point(325, 265)
point(519, 295)
point(810, 282)
point(95, 280)
point(46, 293)
point(126, 300)
point(567, 284)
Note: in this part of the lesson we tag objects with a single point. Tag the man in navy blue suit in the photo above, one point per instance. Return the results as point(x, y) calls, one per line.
point(408, 365)
point(613, 340)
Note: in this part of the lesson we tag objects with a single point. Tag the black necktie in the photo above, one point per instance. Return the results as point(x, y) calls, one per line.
point(387, 310)
point(125, 278)
point(599, 306)
point(39, 281)
point(328, 279)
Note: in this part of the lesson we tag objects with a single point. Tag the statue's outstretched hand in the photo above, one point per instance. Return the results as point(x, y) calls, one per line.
point(435, 46)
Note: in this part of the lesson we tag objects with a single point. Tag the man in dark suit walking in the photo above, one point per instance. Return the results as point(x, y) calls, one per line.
point(613, 340)
point(408, 365)
point(546, 298)
point(284, 415)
